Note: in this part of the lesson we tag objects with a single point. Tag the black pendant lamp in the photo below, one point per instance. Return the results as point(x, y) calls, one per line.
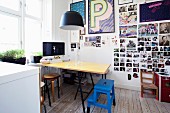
point(71, 20)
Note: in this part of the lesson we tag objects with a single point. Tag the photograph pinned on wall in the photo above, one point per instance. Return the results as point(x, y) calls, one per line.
point(129, 69)
point(129, 76)
point(155, 39)
point(123, 9)
point(131, 44)
point(143, 65)
point(143, 54)
point(121, 2)
point(101, 17)
point(147, 44)
point(143, 70)
point(166, 53)
point(155, 55)
point(141, 49)
point(155, 64)
point(135, 64)
point(129, 54)
point(83, 31)
point(135, 69)
point(132, 7)
point(164, 40)
point(98, 39)
point(136, 60)
point(116, 60)
point(127, 31)
point(164, 27)
point(122, 60)
point(167, 62)
point(116, 49)
point(149, 67)
point(161, 48)
point(122, 45)
point(129, 60)
point(148, 29)
point(128, 18)
point(87, 44)
point(116, 68)
point(155, 60)
point(135, 55)
point(122, 68)
point(135, 75)
point(116, 64)
point(73, 45)
point(161, 70)
point(166, 48)
point(122, 55)
point(93, 44)
point(81, 37)
point(122, 49)
point(149, 62)
point(161, 65)
point(98, 45)
point(141, 39)
point(116, 54)
point(143, 60)
point(141, 43)
point(154, 48)
point(161, 60)
point(122, 41)
point(154, 43)
point(147, 48)
point(128, 64)
point(155, 69)
point(161, 55)
point(122, 64)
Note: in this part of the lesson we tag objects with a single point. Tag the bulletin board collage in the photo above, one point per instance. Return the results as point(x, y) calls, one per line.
point(144, 44)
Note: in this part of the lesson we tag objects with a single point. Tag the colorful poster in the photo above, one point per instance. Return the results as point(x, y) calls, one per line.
point(155, 11)
point(127, 31)
point(80, 8)
point(148, 30)
point(128, 18)
point(101, 16)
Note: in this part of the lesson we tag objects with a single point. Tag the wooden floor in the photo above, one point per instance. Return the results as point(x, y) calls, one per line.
point(127, 101)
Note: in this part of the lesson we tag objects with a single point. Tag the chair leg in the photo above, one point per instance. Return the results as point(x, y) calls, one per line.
point(58, 87)
point(76, 93)
point(142, 91)
point(48, 93)
point(88, 109)
point(52, 90)
point(45, 109)
point(157, 94)
point(114, 102)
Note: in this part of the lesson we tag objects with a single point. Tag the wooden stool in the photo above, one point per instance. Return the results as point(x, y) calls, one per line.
point(42, 98)
point(52, 77)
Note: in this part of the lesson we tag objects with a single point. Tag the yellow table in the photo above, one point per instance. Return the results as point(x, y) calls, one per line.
point(81, 66)
point(86, 67)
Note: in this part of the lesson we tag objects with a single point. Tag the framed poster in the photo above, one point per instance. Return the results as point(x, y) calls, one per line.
point(79, 7)
point(121, 2)
point(101, 16)
point(155, 11)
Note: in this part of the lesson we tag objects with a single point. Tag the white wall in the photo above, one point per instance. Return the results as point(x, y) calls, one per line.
point(59, 7)
point(105, 54)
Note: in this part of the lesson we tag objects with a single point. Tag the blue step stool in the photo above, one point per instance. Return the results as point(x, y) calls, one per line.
point(103, 86)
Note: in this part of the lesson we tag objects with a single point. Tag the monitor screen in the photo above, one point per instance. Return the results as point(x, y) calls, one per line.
point(53, 48)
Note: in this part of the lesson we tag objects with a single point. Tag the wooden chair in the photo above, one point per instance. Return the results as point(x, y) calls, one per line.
point(52, 77)
point(148, 82)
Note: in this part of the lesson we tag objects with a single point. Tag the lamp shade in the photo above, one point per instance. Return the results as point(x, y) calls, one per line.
point(71, 20)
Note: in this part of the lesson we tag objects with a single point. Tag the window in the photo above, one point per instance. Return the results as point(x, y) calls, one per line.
point(9, 36)
point(21, 24)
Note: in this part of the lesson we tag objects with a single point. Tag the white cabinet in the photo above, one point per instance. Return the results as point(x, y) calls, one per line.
point(19, 89)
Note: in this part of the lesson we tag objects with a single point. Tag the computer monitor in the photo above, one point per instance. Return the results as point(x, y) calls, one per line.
point(53, 48)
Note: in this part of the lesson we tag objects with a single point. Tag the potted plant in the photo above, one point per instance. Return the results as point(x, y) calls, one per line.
point(13, 56)
point(37, 57)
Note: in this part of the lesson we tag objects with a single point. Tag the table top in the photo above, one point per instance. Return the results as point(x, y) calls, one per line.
point(81, 66)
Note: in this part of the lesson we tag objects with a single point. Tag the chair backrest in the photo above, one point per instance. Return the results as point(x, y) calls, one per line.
point(147, 77)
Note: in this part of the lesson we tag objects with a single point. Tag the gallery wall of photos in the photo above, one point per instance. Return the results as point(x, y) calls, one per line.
point(144, 36)
point(144, 46)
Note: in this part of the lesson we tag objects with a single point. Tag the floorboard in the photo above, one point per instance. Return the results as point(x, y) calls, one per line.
point(127, 101)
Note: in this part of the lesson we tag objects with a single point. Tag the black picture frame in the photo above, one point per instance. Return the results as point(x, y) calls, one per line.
point(126, 2)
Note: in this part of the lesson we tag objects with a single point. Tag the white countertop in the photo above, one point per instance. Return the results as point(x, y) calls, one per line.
point(9, 71)
point(162, 75)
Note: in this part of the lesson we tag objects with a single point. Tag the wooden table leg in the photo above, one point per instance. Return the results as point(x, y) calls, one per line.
point(52, 90)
